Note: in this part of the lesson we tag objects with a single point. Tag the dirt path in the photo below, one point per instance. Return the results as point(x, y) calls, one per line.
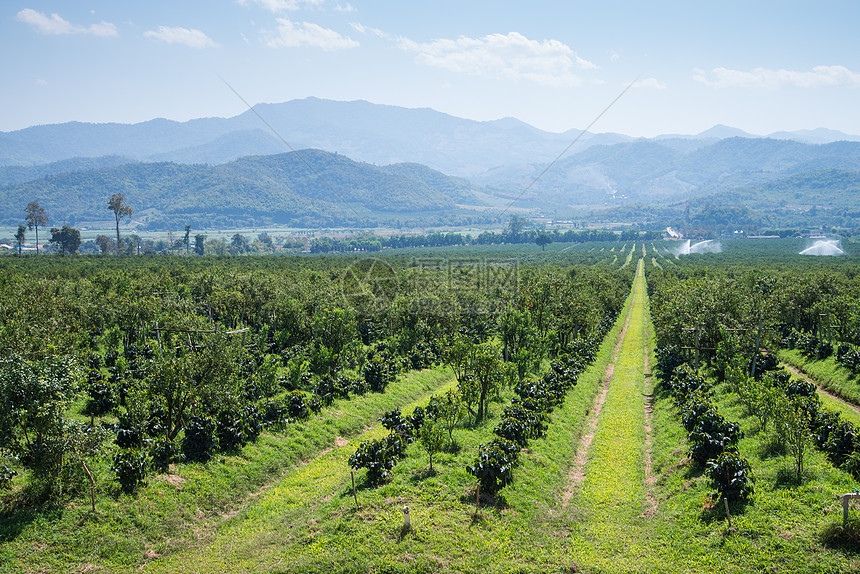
point(577, 473)
point(624, 350)
point(827, 394)
point(650, 479)
point(617, 487)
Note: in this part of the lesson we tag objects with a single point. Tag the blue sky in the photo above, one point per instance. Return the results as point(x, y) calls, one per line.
point(756, 65)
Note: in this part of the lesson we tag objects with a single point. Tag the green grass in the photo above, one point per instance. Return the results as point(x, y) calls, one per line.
point(827, 373)
point(173, 511)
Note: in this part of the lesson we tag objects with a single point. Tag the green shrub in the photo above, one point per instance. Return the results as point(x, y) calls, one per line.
point(199, 442)
point(494, 465)
point(731, 477)
point(131, 467)
point(378, 457)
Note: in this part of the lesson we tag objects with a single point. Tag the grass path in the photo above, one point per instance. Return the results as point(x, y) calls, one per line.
point(613, 494)
point(257, 533)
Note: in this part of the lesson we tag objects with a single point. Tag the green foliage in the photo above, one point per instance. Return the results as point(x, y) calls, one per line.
point(34, 397)
point(379, 457)
point(163, 452)
point(494, 465)
point(199, 442)
point(431, 435)
point(131, 467)
point(68, 238)
point(731, 477)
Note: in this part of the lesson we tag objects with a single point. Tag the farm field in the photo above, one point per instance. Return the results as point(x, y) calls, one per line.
point(564, 367)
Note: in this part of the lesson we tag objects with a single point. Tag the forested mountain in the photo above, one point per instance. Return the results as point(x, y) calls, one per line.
point(235, 171)
point(19, 173)
point(652, 171)
point(310, 188)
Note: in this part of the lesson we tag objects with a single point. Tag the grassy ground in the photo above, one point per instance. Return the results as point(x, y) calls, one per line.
point(605, 513)
point(179, 508)
point(827, 373)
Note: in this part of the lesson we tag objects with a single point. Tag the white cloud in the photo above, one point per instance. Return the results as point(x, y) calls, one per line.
point(650, 83)
point(55, 25)
point(819, 76)
point(511, 56)
point(186, 36)
point(362, 29)
point(277, 6)
point(298, 34)
point(345, 8)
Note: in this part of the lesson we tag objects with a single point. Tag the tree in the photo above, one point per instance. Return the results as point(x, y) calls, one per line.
point(117, 204)
point(187, 239)
point(105, 243)
point(199, 244)
point(34, 397)
point(19, 237)
point(36, 216)
point(238, 244)
point(516, 226)
point(68, 238)
point(543, 239)
point(432, 437)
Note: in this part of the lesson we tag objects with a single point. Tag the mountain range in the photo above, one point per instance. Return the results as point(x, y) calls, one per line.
point(363, 164)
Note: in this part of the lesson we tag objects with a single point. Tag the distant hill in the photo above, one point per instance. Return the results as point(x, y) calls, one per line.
point(662, 171)
point(834, 189)
point(363, 131)
point(318, 188)
point(19, 174)
point(385, 161)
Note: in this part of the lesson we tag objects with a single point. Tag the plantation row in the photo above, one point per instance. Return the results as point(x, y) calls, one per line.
point(721, 320)
point(137, 370)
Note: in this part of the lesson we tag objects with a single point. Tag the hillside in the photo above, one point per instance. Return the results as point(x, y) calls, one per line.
point(319, 188)
point(662, 171)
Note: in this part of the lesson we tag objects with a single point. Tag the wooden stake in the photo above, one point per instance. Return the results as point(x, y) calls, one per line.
point(354, 495)
point(728, 514)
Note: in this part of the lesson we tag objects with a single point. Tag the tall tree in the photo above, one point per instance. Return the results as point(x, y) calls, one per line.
point(105, 243)
point(187, 239)
point(68, 238)
point(20, 237)
point(199, 244)
point(36, 216)
point(121, 210)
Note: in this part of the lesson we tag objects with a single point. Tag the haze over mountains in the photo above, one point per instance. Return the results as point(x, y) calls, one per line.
point(370, 163)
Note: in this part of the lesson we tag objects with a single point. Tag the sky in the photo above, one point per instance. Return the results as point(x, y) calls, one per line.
point(679, 67)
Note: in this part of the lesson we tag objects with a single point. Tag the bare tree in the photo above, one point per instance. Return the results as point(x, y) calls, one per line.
point(36, 216)
point(117, 204)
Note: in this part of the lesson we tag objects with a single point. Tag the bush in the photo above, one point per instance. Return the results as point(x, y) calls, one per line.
point(494, 465)
point(131, 467)
point(378, 457)
point(712, 436)
point(394, 422)
point(163, 452)
point(731, 476)
point(296, 405)
point(379, 371)
point(199, 442)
